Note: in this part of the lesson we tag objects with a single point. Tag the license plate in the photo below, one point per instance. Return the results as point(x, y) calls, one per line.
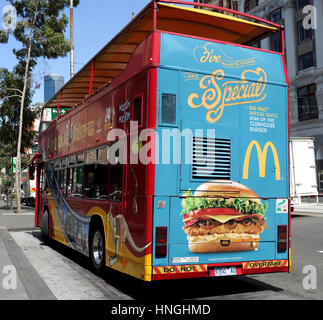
point(225, 271)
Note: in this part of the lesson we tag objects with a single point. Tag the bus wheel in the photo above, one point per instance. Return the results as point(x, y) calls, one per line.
point(44, 226)
point(97, 248)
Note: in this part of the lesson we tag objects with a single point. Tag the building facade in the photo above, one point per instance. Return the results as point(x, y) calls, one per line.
point(303, 21)
point(230, 4)
point(52, 83)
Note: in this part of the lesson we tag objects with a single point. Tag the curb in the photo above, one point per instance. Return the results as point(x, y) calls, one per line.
point(22, 229)
point(34, 285)
point(307, 214)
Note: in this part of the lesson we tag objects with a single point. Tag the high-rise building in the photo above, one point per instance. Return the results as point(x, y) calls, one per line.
point(52, 83)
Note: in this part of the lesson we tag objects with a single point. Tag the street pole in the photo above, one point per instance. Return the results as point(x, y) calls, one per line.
point(19, 177)
point(71, 39)
point(11, 184)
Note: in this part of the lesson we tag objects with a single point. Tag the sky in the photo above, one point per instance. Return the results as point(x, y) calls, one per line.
point(96, 22)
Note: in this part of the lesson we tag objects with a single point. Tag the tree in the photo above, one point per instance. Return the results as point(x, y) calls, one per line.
point(12, 84)
point(9, 119)
point(4, 37)
point(7, 152)
point(41, 33)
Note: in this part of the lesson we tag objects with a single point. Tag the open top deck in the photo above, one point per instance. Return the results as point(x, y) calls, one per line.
point(179, 17)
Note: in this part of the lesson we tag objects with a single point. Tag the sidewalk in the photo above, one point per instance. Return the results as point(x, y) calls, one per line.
point(29, 284)
point(315, 210)
point(15, 222)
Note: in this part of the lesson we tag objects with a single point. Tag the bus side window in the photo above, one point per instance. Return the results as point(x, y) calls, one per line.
point(137, 110)
point(70, 182)
point(78, 179)
point(65, 181)
point(56, 177)
point(76, 182)
point(89, 185)
point(42, 180)
point(101, 181)
point(45, 182)
point(96, 181)
point(115, 186)
point(62, 181)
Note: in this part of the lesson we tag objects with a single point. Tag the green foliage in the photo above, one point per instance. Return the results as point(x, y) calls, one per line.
point(4, 36)
point(244, 205)
point(46, 22)
point(40, 30)
point(10, 108)
point(7, 151)
point(6, 182)
point(48, 40)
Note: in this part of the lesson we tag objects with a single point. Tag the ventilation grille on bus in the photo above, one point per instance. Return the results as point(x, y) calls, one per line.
point(211, 158)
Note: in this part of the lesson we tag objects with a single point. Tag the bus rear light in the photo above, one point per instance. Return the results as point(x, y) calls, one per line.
point(282, 238)
point(161, 242)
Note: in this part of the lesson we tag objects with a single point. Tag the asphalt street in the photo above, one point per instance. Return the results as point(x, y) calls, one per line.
point(307, 250)
point(53, 271)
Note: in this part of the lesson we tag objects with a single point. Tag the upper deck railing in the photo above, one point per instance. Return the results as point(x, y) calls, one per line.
point(222, 9)
point(180, 17)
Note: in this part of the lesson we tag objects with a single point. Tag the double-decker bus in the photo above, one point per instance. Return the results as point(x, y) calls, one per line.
point(171, 157)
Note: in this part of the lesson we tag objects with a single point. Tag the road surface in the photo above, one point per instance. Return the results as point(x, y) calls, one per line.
point(67, 274)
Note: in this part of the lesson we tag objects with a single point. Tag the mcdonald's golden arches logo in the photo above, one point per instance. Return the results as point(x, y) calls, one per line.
point(262, 158)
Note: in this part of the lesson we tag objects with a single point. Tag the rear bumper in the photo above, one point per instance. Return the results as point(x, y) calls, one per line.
point(204, 270)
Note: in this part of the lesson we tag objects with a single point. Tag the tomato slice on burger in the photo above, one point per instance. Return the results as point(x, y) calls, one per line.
point(205, 214)
point(211, 212)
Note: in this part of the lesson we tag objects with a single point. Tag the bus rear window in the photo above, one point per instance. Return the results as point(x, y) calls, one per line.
point(168, 108)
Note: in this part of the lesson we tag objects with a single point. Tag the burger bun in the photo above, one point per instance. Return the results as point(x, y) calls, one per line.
point(223, 243)
point(226, 188)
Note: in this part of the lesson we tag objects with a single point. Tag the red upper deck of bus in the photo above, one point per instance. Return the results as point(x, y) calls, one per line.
point(109, 63)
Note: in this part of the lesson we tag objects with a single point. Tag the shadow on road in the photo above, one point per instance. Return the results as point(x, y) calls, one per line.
point(196, 288)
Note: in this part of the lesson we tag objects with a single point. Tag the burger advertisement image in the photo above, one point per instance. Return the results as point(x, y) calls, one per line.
point(223, 216)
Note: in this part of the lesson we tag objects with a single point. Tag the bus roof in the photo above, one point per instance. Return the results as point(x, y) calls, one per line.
point(167, 16)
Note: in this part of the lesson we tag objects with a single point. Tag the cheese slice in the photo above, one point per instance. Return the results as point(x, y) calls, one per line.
point(224, 218)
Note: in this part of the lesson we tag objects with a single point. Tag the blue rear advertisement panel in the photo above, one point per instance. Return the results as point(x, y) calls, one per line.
point(222, 121)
